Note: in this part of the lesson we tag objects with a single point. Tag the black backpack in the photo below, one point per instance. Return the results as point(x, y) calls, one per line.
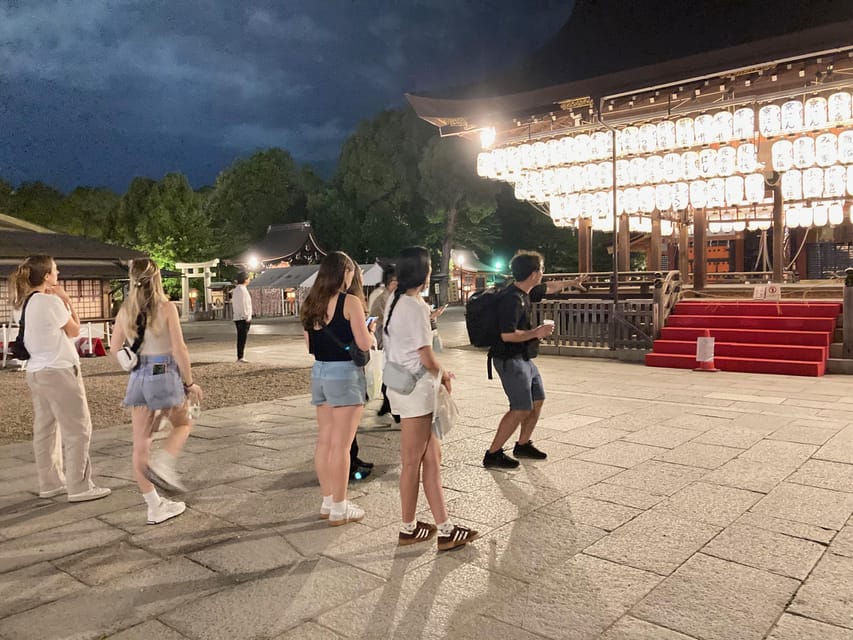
point(16, 348)
point(481, 317)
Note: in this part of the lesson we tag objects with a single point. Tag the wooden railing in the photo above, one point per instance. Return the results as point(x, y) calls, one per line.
point(592, 323)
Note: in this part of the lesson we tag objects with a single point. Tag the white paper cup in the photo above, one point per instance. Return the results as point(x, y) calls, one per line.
point(551, 322)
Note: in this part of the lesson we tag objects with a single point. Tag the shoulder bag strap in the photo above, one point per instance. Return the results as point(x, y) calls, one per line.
point(141, 322)
point(21, 324)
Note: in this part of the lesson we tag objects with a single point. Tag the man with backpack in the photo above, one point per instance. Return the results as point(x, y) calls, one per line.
point(515, 347)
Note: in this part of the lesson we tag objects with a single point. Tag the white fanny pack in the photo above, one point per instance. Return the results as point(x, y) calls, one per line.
point(397, 378)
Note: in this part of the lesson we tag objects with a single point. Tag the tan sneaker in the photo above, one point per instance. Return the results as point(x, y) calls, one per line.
point(353, 513)
point(423, 532)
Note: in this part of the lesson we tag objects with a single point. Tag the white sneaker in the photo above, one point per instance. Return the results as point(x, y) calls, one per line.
point(53, 492)
point(165, 510)
point(353, 513)
point(95, 493)
point(161, 471)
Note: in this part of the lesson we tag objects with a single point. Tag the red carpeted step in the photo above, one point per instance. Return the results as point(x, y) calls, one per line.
point(749, 308)
point(745, 365)
point(745, 350)
point(752, 336)
point(752, 322)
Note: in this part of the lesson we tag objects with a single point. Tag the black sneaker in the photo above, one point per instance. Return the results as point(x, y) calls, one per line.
point(359, 473)
point(361, 463)
point(528, 451)
point(499, 460)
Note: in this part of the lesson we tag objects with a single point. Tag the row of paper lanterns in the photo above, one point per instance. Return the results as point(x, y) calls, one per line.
point(789, 118)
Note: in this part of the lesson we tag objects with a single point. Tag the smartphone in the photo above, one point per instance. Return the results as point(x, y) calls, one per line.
point(371, 319)
point(158, 369)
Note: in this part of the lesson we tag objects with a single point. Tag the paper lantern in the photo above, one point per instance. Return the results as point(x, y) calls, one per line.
point(739, 225)
point(698, 193)
point(591, 181)
point(647, 199)
point(576, 178)
point(813, 183)
point(573, 206)
point(754, 188)
point(806, 217)
point(792, 116)
point(744, 123)
point(820, 214)
point(554, 151)
point(623, 173)
point(587, 201)
point(672, 167)
point(770, 120)
point(804, 153)
point(550, 185)
point(814, 114)
point(723, 126)
point(707, 163)
point(567, 151)
point(540, 154)
point(666, 134)
point(654, 169)
point(703, 129)
point(632, 200)
point(839, 107)
point(792, 185)
point(631, 140)
point(680, 196)
point(637, 170)
point(734, 190)
point(525, 157)
point(583, 148)
point(716, 193)
point(792, 217)
point(647, 138)
point(836, 213)
point(684, 132)
point(602, 144)
point(505, 161)
point(746, 158)
point(485, 165)
point(783, 155)
point(834, 179)
point(691, 165)
point(605, 175)
point(663, 197)
point(845, 147)
point(826, 149)
point(726, 161)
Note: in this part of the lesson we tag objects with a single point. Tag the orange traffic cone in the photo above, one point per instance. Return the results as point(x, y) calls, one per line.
point(705, 352)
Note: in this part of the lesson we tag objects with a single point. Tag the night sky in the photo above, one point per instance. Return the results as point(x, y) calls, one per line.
point(95, 92)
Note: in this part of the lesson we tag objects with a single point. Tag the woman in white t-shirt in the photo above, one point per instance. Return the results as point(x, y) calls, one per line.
point(62, 426)
point(408, 342)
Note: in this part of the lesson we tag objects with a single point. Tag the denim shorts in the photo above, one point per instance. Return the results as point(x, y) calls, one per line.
point(155, 391)
point(338, 384)
point(521, 382)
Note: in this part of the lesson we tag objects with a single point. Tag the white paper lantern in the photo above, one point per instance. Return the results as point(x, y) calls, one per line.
point(792, 116)
point(754, 188)
point(834, 179)
point(716, 193)
point(587, 201)
point(806, 217)
point(836, 213)
point(605, 174)
point(632, 200)
point(826, 149)
point(744, 123)
point(573, 206)
point(567, 150)
point(576, 177)
point(707, 163)
point(703, 129)
point(673, 168)
point(623, 173)
point(485, 165)
point(654, 169)
point(680, 196)
point(815, 114)
point(839, 107)
point(739, 225)
point(637, 171)
point(845, 147)
point(550, 185)
point(813, 183)
point(505, 161)
point(691, 165)
point(734, 191)
point(783, 155)
point(726, 157)
point(684, 132)
point(698, 193)
point(583, 148)
point(792, 217)
point(666, 134)
point(602, 144)
point(554, 151)
point(647, 199)
point(540, 154)
point(591, 180)
point(631, 140)
point(820, 213)
point(647, 138)
point(723, 126)
point(770, 120)
point(804, 155)
point(792, 185)
point(746, 157)
point(663, 197)
point(525, 157)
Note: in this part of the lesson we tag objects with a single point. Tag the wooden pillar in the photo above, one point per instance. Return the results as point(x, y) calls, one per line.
point(740, 265)
point(624, 257)
point(778, 230)
point(684, 251)
point(584, 245)
point(653, 257)
point(700, 248)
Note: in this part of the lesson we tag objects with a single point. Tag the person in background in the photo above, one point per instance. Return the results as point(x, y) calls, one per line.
point(377, 310)
point(408, 343)
point(358, 468)
point(62, 425)
point(330, 318)
point(241, 308)
point(158, 388)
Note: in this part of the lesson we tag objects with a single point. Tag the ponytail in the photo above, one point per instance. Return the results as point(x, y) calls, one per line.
point(29, 275)
point(397, 294)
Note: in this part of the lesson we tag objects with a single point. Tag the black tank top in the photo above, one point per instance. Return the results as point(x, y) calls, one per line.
point(323, 346)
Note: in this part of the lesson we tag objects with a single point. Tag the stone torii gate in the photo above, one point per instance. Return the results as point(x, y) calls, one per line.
point(194, 269)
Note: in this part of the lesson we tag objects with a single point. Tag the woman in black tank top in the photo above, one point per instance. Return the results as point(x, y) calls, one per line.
point(331, 319)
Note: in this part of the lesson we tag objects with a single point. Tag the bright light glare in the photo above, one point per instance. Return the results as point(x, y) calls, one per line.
point(487, 137)
point(254, 262)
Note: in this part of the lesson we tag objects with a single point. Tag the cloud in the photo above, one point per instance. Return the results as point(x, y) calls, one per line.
point(300, 28)
point(308, 140)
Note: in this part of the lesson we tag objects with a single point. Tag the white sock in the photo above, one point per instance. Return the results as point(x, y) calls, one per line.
point(409, 527)
point(445, 528)
point(151, 498)
point(339, 508)
point(327, 502)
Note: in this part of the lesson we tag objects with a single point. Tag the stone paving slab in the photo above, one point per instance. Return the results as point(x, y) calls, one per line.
point(673, 506)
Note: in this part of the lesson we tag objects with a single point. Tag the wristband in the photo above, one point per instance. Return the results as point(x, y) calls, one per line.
point(187, 386)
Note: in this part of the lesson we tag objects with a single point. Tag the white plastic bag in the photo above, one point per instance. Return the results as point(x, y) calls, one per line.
point(373, 374)
point(445, 413)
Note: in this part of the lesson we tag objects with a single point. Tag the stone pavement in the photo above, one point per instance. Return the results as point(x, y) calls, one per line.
point(673, 505)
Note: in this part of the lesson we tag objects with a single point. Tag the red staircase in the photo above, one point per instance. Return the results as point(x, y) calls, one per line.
point(790, 338)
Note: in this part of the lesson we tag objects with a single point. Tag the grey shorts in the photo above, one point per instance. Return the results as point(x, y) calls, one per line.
point(521, 382)
point(161, 390)
point(338, 384)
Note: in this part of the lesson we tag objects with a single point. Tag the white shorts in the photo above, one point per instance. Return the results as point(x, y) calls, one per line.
point(420, 402)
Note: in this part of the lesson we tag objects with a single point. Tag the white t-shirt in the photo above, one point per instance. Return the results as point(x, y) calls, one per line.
point(44, 338)
point(408, 331)
point(241, 303)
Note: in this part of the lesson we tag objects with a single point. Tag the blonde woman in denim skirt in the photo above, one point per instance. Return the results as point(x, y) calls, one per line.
point(157, 388)
point(333, 319)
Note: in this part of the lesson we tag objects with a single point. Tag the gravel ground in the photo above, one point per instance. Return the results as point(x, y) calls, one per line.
point(224, 385)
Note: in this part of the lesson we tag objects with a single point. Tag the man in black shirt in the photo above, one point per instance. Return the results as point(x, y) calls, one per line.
point(513, 358)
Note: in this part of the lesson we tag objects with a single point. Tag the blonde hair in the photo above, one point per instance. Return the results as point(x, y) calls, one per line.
point(145, 296)
point(29, 275)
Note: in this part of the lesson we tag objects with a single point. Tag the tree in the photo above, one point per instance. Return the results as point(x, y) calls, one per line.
point(88, 212)
point(131, 211)
point(6, 191)
point(453, 192)
point(255, 192)
point(38, 203)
